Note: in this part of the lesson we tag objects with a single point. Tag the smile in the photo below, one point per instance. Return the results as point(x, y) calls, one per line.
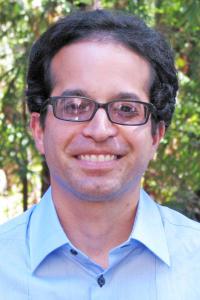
point(98, 158)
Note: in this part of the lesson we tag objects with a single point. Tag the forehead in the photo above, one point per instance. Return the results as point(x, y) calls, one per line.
point(100, 67)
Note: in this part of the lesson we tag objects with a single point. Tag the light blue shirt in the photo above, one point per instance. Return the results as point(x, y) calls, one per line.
point(159, 261)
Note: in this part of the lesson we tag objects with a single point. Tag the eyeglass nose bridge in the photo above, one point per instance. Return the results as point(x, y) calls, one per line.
point(105, 108)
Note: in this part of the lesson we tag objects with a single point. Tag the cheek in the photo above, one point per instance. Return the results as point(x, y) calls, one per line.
point(141, 143)
point(138, 136)
point(57, 138)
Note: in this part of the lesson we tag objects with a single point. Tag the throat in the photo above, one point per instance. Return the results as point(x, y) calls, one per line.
point(96, 228)
point(97, 237)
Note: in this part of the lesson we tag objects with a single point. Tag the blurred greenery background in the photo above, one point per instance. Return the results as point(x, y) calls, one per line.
point(174, 176)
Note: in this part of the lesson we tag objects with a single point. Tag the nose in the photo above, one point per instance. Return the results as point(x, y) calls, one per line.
point(100, 128)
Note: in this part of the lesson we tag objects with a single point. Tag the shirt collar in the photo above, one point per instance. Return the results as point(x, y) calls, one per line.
point(148, 228)
point(45, 232)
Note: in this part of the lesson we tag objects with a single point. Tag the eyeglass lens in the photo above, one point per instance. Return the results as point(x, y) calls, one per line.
point(82, 109)
point(75, 109)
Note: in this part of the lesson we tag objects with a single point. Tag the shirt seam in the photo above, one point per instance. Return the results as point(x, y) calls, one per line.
point(181, 225)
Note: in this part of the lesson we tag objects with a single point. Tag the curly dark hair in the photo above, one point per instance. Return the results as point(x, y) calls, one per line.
point(128, 30)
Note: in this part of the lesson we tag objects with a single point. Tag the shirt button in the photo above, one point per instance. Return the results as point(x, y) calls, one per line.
point(74, 252)
point(101, 280)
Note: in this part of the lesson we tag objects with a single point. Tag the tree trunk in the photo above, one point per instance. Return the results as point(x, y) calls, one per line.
point(25, 192)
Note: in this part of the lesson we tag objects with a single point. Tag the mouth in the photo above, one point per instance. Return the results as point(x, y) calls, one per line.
point(98, 157)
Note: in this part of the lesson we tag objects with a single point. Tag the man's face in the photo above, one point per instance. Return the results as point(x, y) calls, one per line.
point(97, 160)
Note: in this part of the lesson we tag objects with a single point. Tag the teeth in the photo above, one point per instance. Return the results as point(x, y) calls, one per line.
point(100, 157)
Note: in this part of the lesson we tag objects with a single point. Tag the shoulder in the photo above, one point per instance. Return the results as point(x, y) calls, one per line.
point(178, 221)
point(14, 255)
point(14, 248)
point(182, 233)
point(15, 229)
point(183, 241)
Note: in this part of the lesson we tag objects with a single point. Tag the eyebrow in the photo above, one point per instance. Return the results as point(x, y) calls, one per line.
point(75, 92)
point(83, 93)
point(127, 96)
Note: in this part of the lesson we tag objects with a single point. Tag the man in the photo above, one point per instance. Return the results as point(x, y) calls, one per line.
point(101, 92)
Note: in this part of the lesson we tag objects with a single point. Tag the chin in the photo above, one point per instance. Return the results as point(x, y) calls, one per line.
point(96, 198)
point(99, 196)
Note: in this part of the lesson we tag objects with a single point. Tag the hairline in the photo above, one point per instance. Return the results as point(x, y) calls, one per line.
point(106, 39)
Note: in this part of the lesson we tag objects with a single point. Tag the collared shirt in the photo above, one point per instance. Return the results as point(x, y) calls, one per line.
point(159, 261)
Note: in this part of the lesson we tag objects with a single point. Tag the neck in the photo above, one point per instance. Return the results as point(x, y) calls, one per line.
point(96, 227)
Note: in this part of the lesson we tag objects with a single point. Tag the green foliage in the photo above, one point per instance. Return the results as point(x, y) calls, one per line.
point(176, 170)
point(174, 176)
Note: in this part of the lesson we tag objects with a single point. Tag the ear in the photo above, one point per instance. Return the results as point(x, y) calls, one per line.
point(37, 131)
point(158, 136)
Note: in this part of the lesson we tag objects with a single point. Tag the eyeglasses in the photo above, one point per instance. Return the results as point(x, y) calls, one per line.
point(82, 109)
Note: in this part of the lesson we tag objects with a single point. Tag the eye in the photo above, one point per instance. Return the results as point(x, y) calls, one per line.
point(84, 106)
point(70, 107)
point(75, 105)
point(127, 108)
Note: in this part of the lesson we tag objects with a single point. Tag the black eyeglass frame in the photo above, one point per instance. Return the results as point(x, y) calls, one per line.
point(150, 108)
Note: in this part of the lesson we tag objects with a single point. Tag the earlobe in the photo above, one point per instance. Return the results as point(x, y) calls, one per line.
point(37, 131)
